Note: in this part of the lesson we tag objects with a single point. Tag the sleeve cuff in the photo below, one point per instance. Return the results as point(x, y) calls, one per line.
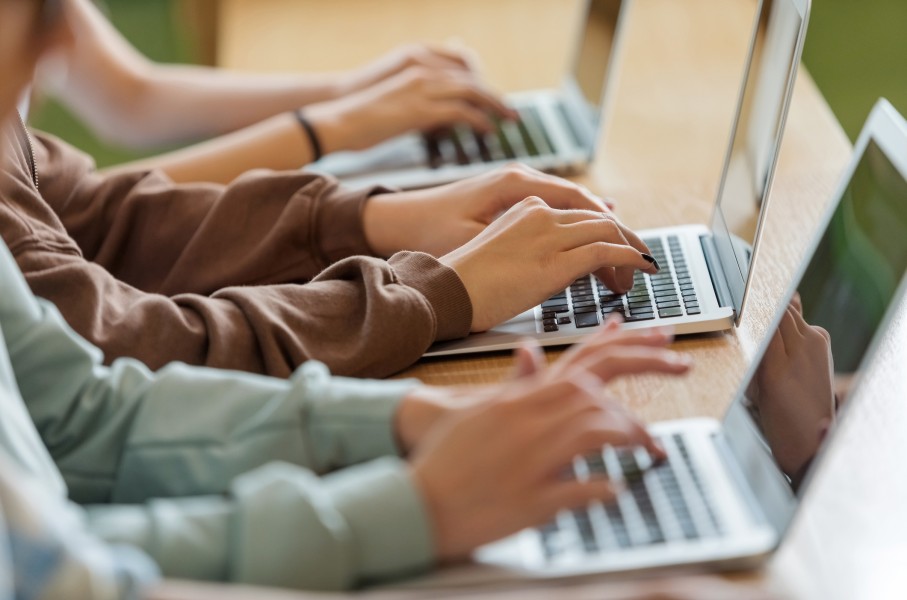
point(353, 420)
point(339, 228)
point(386, 516)
point(443, 289)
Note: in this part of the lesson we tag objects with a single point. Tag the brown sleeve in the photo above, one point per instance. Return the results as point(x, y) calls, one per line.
point(359, 317)
point(160, 237)
point(362, 316)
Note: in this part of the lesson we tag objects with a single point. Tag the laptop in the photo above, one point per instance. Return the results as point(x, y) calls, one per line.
point(557, 131)
point(704, 270)
point(729, 490)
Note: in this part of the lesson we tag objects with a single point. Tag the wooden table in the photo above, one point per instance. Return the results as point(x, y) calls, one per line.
point(661, 158)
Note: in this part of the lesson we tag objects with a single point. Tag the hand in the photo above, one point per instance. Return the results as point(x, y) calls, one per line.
point(794, 390)
point(416, 99)
point(533, 251)
point(438, 220)
point(608, 354)
point(434, 58)
point(496, 468)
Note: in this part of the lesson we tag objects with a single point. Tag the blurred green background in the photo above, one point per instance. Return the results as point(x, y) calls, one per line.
point(856, 51)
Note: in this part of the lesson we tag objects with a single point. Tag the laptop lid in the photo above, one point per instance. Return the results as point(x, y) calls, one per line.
point(762, 107)
point(594, 60)
point(850, 286)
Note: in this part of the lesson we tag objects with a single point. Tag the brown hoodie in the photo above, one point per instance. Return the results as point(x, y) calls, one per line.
point(259, 275)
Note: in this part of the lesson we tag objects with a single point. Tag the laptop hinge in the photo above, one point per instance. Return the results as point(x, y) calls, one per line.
point(722, 292)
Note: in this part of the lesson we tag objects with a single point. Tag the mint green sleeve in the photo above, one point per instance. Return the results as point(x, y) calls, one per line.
point(281, 525)
point(123, 433)
point(218, 475)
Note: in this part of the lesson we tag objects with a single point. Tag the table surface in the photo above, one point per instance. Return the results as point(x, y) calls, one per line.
point(660, 157)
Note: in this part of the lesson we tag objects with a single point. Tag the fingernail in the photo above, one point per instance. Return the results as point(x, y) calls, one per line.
point(652, 260)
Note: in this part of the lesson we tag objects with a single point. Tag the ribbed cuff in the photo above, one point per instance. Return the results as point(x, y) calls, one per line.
point(391, 533)
point(353, 421)
point(339, 229)
point(443, 289)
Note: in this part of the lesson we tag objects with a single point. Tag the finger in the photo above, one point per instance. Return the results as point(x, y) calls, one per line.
point(561, 193)
point(582, 431)
point(590, 227)
point(465, 87)
point(788, 330)
point(451, 112)
point(528, 359)
point(608, 277)
point(632, 238)
point(611, 363)
point(803, 328)
point(612, 335)
point(461, 57)
point(568, 495)
point(592, 257)
point(797, 302)
point(823, 332)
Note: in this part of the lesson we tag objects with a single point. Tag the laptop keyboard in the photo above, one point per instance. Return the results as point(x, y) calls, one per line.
point(511, 140)
point(662, 503)
point(667, 295)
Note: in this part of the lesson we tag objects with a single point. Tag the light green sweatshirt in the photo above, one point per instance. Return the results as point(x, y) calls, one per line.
point(216, 475)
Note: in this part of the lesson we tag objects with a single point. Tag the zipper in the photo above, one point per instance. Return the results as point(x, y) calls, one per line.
point(31, 152)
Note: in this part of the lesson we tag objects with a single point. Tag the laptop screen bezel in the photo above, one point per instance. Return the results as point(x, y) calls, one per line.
point(570, 89)
point(888, 130)
point(738, 285)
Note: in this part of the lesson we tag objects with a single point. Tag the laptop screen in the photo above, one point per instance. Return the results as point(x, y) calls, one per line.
point(592, 64)
point(590, 69)
point(756, 138)
point(791, 402)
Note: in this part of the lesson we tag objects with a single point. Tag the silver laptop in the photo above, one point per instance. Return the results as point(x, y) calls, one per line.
point(558, 129)
point(704, 269)
point(729, 490)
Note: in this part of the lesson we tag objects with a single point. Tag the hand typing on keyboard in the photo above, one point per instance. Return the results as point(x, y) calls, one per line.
point(487, 460)
point(419, 97)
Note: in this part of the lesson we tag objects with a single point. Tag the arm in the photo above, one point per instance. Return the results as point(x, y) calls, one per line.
point(112, 431)
point(132, 101)
point(282, 526)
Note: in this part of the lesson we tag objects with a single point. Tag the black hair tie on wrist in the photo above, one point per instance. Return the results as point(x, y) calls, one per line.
point(310, 133)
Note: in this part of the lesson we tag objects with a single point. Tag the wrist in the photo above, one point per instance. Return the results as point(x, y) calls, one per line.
point(329, 126)
point(380, 225)
point(417, 413)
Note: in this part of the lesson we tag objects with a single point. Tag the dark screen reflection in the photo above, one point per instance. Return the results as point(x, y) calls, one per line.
point(804, 377)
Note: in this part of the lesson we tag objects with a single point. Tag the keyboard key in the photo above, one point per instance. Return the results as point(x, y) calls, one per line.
point(584, 320)
point(549, 322)
point(668, 313)
point(558, 308)
point(581, 310)
point(564, 321)
point(551, 328)
point(637, 317)
point(484, 151)
point(694, 311)
point(584, 304)
point(668, 304)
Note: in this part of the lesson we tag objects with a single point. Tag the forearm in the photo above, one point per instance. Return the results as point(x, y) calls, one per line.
point(132, 101)
point(282, 526)
point(277, 143)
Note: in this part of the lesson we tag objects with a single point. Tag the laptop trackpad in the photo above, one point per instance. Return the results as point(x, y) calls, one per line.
point(404, 152)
